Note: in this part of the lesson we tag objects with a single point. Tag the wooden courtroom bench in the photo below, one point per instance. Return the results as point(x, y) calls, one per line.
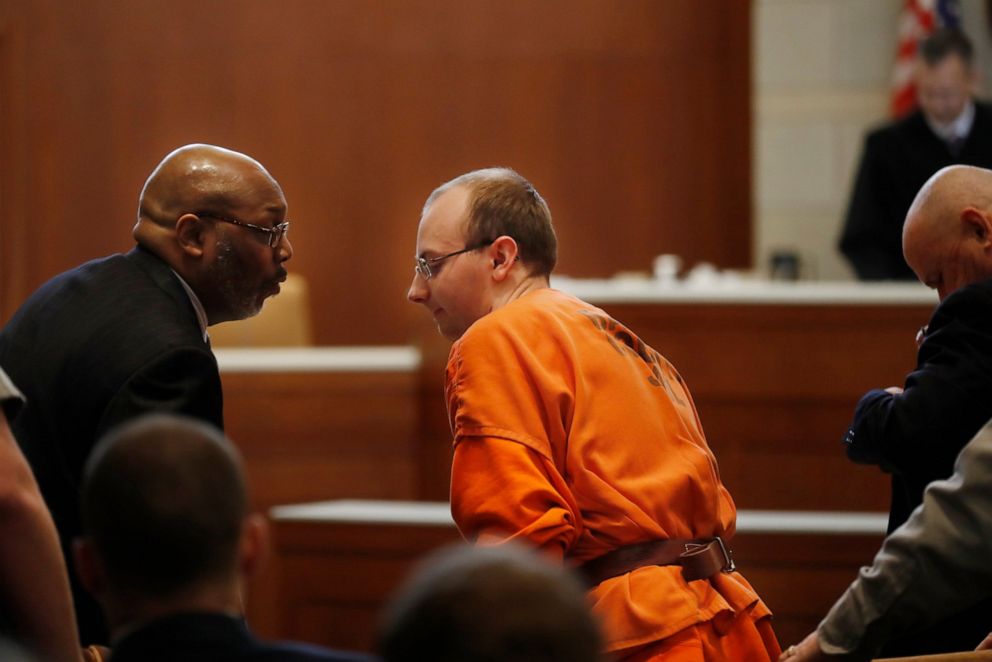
point(337, 562)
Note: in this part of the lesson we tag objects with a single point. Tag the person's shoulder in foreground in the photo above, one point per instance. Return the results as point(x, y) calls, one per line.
point(930, 568)
point(217, 637)
point(35, 600)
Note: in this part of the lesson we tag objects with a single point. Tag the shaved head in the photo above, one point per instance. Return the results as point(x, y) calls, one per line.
point(199, 178)
point(953, 187)
point(946, 237)
point(210, 214)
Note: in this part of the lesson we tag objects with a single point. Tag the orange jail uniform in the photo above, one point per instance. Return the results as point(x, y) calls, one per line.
point(572, 435)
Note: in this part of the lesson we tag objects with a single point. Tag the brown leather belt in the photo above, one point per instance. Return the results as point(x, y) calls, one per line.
point(700, 559)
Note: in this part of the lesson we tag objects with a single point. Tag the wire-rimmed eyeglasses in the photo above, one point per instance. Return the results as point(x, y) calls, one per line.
point(275, 233)
point(423, 266)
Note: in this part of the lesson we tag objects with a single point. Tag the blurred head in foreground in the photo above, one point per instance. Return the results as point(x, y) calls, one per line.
point(489, 604)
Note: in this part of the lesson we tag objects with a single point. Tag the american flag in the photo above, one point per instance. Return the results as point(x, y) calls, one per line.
point(918, 19)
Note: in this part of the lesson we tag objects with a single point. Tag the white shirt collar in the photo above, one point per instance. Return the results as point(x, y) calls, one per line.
point(959, 127)
point(201, 315)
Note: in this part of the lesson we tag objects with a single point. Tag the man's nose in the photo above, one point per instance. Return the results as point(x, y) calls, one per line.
point(418, 289)
point(285, 248)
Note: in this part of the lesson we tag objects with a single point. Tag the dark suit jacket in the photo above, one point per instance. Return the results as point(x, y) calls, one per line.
point(897, 160)
point(203, 637)
point(93, 347)
point(917, 435)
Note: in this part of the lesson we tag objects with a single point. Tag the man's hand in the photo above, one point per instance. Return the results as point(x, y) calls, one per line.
point(986, 643)
point(894, 390)
point(808, 650)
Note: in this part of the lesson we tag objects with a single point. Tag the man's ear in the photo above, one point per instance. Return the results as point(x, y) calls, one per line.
point(503, 252)
point(978, 225)
point(254, 545)
point(88, 565)
point(190, 233)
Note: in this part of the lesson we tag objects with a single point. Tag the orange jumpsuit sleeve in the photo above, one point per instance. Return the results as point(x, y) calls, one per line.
point(509, 410)
point(503, 490)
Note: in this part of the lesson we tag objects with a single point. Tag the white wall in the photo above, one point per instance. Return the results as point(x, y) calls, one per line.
point(821, 79)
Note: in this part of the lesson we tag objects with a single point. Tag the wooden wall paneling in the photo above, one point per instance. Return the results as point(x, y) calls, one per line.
point(313, 436)
point(435, 440)
point(7, 285)
point(801, 576)
point(15, 245)
point(775, 454)
point(333, 579)
point(776, 386)
point(770, 350)
point(632, 117)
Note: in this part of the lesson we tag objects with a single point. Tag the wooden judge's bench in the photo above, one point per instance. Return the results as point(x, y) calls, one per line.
point(775, 370)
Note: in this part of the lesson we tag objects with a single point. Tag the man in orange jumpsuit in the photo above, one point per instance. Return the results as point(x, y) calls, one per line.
point(574, 436)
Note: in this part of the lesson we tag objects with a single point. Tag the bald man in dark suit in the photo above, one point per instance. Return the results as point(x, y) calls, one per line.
point(127, 334)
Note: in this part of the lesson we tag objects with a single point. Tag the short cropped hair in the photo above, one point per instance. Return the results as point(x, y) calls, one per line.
point(489, 604)
point(163, 502)
point(943, 42)
point(501, 202)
